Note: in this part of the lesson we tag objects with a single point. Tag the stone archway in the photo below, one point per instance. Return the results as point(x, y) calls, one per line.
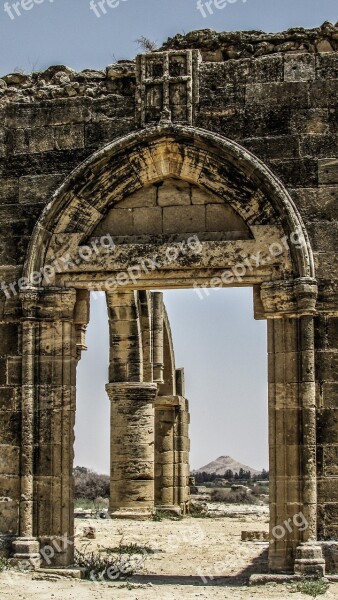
point(215, 171)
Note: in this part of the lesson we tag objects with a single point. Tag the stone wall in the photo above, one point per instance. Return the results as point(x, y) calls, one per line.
point(276, 95)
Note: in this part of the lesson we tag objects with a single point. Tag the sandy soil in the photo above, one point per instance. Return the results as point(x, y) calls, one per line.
point(194, 558)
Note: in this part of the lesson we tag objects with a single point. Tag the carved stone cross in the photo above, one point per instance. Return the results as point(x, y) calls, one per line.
point(167, 87)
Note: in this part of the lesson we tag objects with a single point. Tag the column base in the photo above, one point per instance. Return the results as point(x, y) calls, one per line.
point(26, 553)
point(309, 560)
point(171, 510)
point(135, 514)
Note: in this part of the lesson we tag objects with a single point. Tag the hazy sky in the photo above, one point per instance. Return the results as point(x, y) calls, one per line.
point(223, 351)
point(216, 339)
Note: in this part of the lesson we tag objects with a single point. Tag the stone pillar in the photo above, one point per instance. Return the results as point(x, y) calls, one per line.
point(172, 445)
point(166, 468)
point(54, 425)
point(182, 450)
point(326, 341)
point(26, 547)
point(132, 413)
point(309, 556)
point(158, 335)
point(132, 449)
point(292, 443)
point(126, 357)
point(48, 416)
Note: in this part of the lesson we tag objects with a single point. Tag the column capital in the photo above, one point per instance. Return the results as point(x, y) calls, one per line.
point(29, 297)
point(48, 303)
point(138, 390)
point(287, 298)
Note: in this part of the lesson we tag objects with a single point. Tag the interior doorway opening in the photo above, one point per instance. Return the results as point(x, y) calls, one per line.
point(223, 351)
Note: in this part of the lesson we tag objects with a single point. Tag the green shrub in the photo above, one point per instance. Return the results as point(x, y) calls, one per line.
point(310, 587)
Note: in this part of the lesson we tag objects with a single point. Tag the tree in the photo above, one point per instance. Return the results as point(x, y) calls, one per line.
point(90, 485)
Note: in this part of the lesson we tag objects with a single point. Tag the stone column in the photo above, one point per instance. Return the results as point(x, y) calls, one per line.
point(55, 424)
point(166, 468)
point(172, 445)
point(309, 556)
point(132, 413)
point(182, 450)
point(292, 445)
point(48, 416)
point(26, 547)
point(126, 357)
point(132, 449)
point(158, 360)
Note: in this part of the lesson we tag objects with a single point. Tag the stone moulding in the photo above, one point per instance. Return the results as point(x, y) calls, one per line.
point(196, 155)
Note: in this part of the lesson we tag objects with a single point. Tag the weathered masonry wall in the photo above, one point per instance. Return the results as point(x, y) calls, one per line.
point(274, 95)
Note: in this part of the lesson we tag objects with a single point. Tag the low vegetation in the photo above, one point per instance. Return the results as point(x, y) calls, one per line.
point(310, 587)
point(111, 564)
point(230, 477)
point(238, 497)
point(160, 515)
point(4, 563)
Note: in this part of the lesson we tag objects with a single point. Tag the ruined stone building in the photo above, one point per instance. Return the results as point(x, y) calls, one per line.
point(217, 155)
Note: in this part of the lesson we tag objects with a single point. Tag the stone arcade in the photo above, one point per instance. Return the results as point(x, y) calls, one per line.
point(230, 137)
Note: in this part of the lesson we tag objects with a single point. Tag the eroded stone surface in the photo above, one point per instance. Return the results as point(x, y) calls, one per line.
point(252, 165)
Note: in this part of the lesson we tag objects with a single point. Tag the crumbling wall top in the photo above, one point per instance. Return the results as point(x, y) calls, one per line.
point(252, 44)
point(119, 79)
point(60, 81)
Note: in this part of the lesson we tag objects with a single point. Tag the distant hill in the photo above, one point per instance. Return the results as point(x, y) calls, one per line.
point(222, 464)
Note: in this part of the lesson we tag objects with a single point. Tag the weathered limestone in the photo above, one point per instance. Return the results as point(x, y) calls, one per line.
point(172, 446)
point(292, 438)
point(228, 178)
point(132, 449)
point(146, 452)
point(158, 326)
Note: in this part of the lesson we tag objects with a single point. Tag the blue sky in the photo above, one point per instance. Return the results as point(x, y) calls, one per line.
point(217, 340)
point(68, 32)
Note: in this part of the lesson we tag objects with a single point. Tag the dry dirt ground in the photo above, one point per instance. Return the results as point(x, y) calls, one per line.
point(194, 558)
